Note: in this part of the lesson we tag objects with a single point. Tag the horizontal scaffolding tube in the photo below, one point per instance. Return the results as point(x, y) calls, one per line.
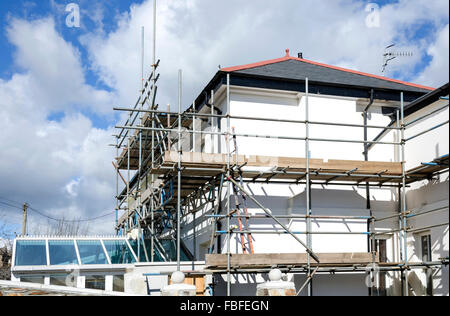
point(187, 114)
point(427, 212)
point(426, 227)
point(318, 173)
point(259, 136)
point(222, 232)
point(387, 217)
point(410, 230)
point(360, 268)
point(292, 216)
point(427, 131)
point(425, 116)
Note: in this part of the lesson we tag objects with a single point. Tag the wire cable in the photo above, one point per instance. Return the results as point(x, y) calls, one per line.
point(50, 217)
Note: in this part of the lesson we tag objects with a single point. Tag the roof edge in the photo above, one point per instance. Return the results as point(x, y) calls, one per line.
point(287, 57)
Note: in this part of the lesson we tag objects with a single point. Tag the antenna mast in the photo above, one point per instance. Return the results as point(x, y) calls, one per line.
point(391, 55)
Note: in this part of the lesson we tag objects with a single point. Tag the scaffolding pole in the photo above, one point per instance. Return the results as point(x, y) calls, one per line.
point(188, 115)
point(179, 173)
point(159, 131)
point(228, 187)
point(403, 191)
point(308, 186)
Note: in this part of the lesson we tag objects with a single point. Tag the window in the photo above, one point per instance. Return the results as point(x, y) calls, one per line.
point(31, 253)
point(427, 257)
point(33, 279)
point(426, 248)
point(382, 252)
point(59, 280)
point(170, 249)
point(91, 252)
point(62, 252)
point(140, 251)
point(118, 283)
point(95, 282)
point(119, 252)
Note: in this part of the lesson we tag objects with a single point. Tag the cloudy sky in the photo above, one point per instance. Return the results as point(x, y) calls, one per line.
point(58, 84)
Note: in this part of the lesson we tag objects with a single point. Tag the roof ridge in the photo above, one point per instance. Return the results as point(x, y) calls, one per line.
point(287, 57)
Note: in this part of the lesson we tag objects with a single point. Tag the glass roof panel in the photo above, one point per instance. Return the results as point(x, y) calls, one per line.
point(62, 252)
point(170, 249)
point(119, 252)
point(91, 252)
point(141, 252)
point(31, 253)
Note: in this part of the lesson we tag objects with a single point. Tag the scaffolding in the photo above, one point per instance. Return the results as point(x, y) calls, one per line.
point(170, 182)
point(183, 186)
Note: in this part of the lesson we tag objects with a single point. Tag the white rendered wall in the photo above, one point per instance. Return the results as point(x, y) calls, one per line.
point(428, 195)
point(290, 199)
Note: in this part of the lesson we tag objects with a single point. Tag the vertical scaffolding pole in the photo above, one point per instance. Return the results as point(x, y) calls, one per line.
point(405, 233)
point(371, 243)
point(308, 184)
point(228, 189)
point(152, 209)
point(117, 186)
point(152, 206)
point(138, 190)
point(128, 179)
point(179, 173)
point(399, 193)
point(213, 137)
point(194, 135)
point(154, 37)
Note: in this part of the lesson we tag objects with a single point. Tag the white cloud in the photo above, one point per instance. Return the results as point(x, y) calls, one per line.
point(64, 167)
point(436, 73)
point(41, 158)
point(197, 36)
point(55, 67)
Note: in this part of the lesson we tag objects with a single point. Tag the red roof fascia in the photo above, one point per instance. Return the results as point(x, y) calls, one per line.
point(274, 61)
point(254, 65)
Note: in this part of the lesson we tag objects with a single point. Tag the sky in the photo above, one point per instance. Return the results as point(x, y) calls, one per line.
point(59, 81)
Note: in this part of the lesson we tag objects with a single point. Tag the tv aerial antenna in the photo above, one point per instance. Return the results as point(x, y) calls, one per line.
point(390, 55)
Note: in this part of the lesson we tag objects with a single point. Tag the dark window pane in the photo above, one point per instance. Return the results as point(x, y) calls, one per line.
point(91, 252)
point(119, 252)
point(32, 279)
point(31, 253)
point(60, 280)
point(170, 248)
point(95, 282)
point(427, 257)
point(426, 248)
point(141, 252)
point(118, 283)
point(62, 252)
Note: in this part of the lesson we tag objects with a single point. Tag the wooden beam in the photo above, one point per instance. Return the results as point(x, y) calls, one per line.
point(287, 259)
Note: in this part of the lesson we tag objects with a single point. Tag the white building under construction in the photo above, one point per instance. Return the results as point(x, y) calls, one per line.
point(314, 169)
point(338, 178)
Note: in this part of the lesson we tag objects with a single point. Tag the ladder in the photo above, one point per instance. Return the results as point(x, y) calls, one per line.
point(240, 200)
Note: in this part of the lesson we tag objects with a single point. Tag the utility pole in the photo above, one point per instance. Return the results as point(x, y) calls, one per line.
point(24, 222)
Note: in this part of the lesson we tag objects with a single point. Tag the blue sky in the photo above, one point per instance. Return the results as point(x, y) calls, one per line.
point(58, 85)
point(110, 11)
point(33, 10)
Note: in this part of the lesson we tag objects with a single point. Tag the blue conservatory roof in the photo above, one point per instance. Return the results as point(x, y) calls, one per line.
point(87, 251)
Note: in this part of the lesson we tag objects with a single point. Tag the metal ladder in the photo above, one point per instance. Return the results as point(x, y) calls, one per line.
point(240, 200)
